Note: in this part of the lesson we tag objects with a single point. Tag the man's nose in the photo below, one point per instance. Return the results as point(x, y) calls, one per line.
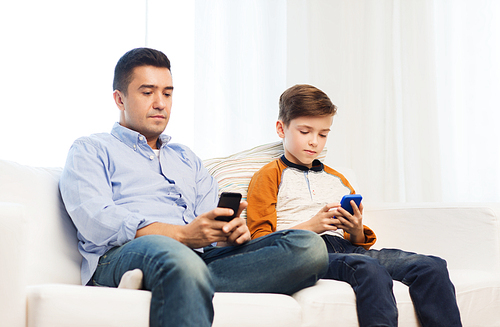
point(159, 101)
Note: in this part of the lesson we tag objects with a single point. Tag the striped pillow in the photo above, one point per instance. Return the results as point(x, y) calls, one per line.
point(233, 173)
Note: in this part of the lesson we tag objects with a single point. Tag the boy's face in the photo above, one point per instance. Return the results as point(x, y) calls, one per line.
point(146, 107)
point(304, 138)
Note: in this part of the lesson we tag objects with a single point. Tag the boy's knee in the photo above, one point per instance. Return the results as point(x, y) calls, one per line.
point(434, 265)
point(370, 268)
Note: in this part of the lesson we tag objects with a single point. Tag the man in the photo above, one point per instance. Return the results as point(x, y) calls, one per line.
point(141, 202)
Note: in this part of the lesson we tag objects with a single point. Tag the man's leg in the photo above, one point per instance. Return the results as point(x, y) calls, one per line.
point(431, 289)
point(282, 262)
point(370, 281)
point(178, 279)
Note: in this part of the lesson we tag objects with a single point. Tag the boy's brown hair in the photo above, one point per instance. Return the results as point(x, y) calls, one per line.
point(304, 100)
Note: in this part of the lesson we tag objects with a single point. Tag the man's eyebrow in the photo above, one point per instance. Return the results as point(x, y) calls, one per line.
point(148, 86)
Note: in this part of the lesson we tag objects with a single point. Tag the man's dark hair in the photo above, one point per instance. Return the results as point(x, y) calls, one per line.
point(304, 100)
point(136, 58)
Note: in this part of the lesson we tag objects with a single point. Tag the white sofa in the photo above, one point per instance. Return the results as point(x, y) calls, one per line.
point(40, 272)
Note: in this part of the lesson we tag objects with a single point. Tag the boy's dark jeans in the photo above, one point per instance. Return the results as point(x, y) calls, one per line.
point(370, 273)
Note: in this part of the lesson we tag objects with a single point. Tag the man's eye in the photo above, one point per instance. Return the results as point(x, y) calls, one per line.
point(146, 93)
point(304, 132)
point(167, 94)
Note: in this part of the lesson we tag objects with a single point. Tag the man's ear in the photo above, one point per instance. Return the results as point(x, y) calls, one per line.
point(280, 129)
point(118, 96)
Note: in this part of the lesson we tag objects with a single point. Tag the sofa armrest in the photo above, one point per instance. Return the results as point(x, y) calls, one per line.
point(467, 236)
point(12, 274)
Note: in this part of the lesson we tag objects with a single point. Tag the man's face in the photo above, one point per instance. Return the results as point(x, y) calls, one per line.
point(304, 138)
point(146, 107)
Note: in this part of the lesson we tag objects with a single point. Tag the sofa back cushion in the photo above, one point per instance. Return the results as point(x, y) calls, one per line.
point(52, 246)
point(234, 172)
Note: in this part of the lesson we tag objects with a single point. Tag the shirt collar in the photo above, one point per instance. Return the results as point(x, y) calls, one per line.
point(132, 138)
point(316, 165)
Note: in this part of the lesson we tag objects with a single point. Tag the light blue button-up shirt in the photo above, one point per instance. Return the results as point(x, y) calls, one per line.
point(113, 184)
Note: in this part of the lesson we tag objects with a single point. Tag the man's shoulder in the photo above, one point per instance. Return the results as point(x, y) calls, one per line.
point(96, 140)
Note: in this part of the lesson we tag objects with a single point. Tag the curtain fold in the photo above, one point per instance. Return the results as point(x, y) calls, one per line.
point(415, 82)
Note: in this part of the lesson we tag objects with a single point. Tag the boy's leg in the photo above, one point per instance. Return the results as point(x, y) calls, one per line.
point(372, 284)
point(431, 289)
point(282, 262)
point(178, 279)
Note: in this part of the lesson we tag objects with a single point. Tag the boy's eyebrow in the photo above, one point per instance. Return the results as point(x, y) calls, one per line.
point(309, 127)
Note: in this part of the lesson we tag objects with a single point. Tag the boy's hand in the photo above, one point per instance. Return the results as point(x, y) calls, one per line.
point(353, 224)
point(322, 221)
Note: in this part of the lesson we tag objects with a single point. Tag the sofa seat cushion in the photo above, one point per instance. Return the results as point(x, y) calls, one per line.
point(478, 298)
point(333, 301)
point(59, 305)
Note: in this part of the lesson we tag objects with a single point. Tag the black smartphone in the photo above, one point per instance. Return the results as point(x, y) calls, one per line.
point(346, 202)
point(229, 200)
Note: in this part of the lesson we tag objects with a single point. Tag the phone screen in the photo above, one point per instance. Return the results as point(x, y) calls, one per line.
point(229, 200)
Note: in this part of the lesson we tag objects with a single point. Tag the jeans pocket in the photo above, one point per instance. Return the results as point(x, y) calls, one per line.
point(333, 244)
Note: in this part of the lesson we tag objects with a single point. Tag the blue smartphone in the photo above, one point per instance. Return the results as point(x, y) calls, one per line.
point(346, 202)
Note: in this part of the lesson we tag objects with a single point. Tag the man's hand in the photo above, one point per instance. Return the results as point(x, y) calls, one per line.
point(237, 229)
point(204, 230)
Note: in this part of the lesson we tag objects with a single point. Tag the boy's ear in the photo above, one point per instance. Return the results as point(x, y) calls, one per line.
point(280, 129)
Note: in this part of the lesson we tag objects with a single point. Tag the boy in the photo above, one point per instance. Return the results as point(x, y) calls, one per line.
point(298, 192)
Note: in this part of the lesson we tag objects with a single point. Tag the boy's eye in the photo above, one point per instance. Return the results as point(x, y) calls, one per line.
point(322, 135)
point(304, 132)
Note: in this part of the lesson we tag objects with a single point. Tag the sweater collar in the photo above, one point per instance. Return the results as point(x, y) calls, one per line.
point(316, 165)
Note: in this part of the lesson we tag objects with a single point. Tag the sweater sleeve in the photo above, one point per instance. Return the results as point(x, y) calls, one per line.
point(262, 198)
point(370, 238)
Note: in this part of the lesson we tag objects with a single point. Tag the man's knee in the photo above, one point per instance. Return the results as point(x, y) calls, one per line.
point(307, 247)
point(167, 259)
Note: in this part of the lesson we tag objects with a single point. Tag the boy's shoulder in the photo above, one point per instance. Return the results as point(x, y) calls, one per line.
point(269, 173)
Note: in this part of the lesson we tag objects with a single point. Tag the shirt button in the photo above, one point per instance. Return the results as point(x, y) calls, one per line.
point(141, 138)
point(135, 147)
point(151, 157)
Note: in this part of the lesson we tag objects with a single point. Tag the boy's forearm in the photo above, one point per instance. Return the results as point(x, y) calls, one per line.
point(358, 238)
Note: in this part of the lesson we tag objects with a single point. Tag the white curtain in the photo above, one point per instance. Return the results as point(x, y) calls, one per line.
point(240, 72)
point(415, 82)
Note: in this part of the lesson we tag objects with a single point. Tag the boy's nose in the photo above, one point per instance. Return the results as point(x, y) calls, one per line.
point(313, 141)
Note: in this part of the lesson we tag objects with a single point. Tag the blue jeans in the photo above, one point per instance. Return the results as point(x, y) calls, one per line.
point(183, 281)
point(370, 273)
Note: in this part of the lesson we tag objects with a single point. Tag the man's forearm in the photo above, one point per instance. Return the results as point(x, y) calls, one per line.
point(172, 231)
